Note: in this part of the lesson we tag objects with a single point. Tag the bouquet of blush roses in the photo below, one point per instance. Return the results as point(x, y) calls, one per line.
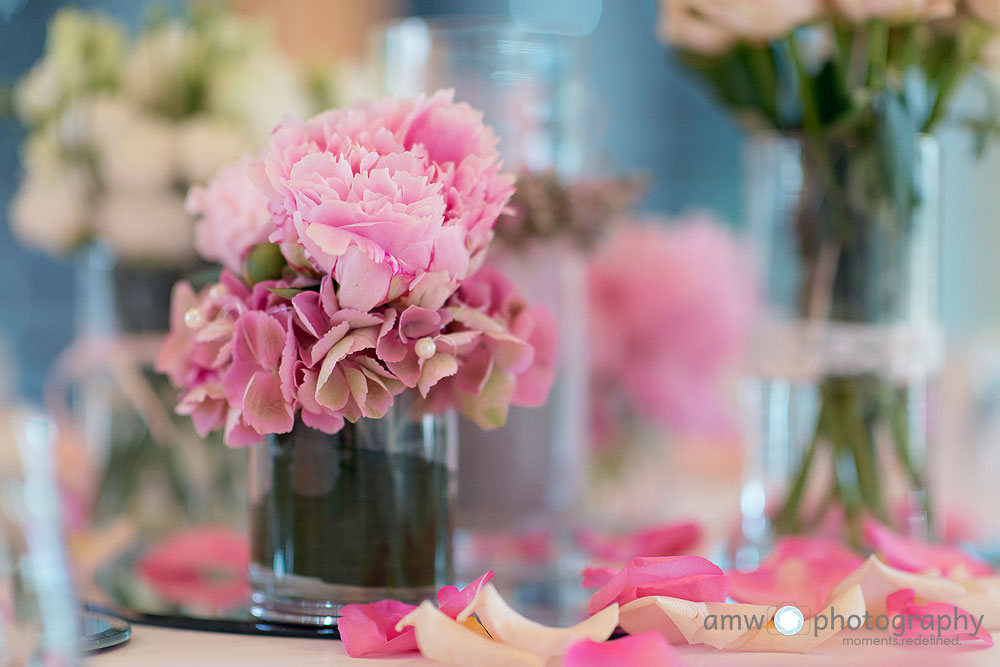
point(352, 253)
point(842, 194)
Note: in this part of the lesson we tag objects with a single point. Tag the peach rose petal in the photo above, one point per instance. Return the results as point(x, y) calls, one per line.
point(903, 603)
point(877, 580)
point(507, 626)
point(687, 577)
point(649, 649)
point(449, 642)
point(683, 621)
point(914, 556)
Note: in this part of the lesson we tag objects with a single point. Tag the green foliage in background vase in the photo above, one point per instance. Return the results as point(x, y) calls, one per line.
point(855, 87)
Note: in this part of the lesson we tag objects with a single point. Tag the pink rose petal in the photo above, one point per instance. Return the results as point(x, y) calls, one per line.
point(649, 649)
point(801, 570)
point(370, 629)
point(203, 566)
point(686, 577)
point(913, 556)
point(935, 619)
point(453, 602)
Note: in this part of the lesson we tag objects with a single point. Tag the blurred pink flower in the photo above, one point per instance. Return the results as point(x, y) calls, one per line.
point(232, 216)
point(670, 309)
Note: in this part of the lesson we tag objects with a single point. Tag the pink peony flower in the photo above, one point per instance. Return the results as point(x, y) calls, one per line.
point(384, 194)
point(233, 216)
point(670, 309)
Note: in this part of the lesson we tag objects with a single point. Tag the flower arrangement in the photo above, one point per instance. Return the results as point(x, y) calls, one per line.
point(352, 253)
point(843, 66)
point(118, 128)
point(847, 94)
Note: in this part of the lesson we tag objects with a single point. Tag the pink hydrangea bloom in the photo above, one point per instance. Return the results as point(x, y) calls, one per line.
point(387, 197)
point(671, 306)
point(233, 216)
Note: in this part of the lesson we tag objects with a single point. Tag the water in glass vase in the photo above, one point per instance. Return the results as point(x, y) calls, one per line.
point(356, 517)
point(839, 398)
point(837, 422)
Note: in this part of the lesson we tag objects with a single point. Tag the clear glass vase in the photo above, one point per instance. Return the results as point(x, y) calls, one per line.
point(840, 397)
point(356, 517)
point(520, 487)
point(151, 468)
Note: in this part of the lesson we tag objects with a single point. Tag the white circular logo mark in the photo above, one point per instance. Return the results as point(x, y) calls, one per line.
point(788, 620)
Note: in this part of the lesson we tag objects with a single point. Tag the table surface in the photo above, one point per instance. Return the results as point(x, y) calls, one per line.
point(154, 647)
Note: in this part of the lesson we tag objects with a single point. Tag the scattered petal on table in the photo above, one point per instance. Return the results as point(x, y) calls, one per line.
point(934, 619)
point(203, 566)
point(685, 577)
point(370, 629)
point(801, 571)
point(877, 580)
point(448, 642)
point(666, 540)
point(507, 626)
point(452, 601)
point(914, 556)
point(731, 626)
point(649, 649)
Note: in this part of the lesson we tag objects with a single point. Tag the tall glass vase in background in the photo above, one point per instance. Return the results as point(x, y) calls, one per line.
point(840, 399)
point(149, 466)
point(356, 517)
point(519, 484)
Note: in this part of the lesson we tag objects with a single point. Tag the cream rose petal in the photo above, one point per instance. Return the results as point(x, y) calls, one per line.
point(683, 620)
point(982, 597)
point(448, 642)
point(877, 580)
point(507, 626)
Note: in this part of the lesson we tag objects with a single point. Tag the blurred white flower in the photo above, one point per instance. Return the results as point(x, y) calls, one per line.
point(863, 10)
point(49, 211)
point(135, 150)
point(712, 26)
point(145, 226)
point(204, 145)
point(38, 92)
point(259, 89)
point(156, 71)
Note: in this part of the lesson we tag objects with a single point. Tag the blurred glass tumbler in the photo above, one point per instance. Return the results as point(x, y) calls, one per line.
point(38, 621)
point(519, 484)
